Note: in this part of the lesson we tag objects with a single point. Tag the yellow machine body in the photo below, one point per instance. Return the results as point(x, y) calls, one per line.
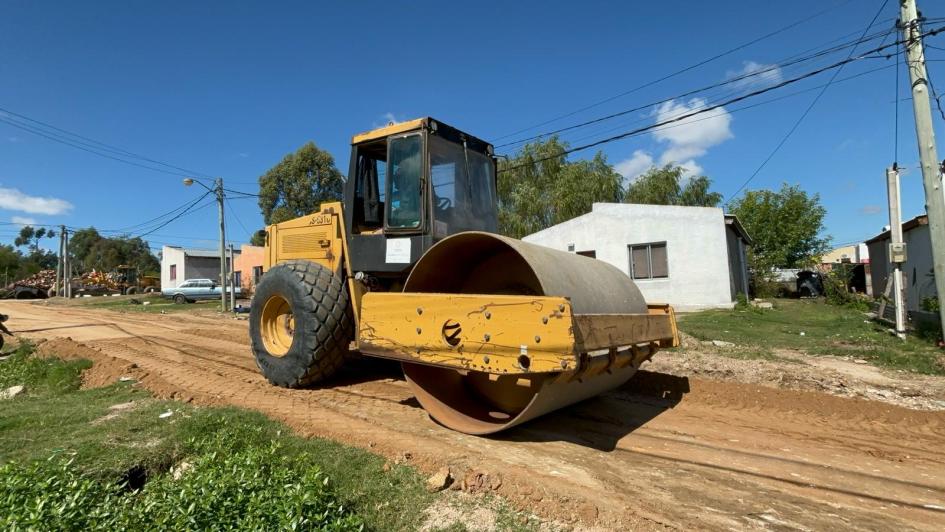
point(491, 331)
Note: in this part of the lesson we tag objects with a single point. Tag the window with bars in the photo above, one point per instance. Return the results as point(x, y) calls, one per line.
point(649, 261)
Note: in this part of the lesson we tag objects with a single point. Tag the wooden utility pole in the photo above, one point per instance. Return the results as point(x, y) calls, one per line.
point(897, 249)
point(57, 287)
point(928, 156)
point(66, 267)
point(220, 196)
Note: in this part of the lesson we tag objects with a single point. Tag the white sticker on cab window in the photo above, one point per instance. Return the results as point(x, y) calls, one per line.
point(398, 251)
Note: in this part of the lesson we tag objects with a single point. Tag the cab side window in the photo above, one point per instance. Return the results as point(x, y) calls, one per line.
point(404, 190)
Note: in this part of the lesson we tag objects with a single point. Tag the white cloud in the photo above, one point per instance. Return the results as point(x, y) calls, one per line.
point(23, 220)
point(631, 168)
point(691, 168)
point(758, 74)
point(691, 137)
point(385, 119)
point(14, 200)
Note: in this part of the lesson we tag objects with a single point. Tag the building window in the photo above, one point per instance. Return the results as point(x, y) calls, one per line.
point(173, 272)
point(257, 273)
point(648, 261)
point(589, 253)
point(239, 278)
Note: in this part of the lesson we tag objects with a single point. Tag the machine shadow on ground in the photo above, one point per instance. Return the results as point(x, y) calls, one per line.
point(602, 421)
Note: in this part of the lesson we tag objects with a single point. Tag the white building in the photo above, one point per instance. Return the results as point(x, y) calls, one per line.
point(918, 277)
point(691, 257)
point(179, 264)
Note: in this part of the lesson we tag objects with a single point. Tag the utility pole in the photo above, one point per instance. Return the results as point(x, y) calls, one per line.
point(928, 156)
point(218, 191)
point(57, 287)
point(232, 281)
point(897, 249)
point(66, 267)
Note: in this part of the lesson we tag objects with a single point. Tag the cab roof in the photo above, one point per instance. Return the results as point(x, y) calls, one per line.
point(411, 125)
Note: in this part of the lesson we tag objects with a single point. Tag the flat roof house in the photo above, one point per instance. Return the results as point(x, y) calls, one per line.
point(690, 257)
point(179, 264)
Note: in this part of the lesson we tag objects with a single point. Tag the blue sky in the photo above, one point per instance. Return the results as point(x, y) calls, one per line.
point(228, 88)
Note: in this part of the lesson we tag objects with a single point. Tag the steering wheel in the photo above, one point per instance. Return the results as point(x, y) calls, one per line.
point(443, 203)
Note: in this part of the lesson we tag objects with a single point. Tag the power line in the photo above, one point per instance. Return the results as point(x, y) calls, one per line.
point(706, 109)
point(678, 72)
point(790, 61)
point(743, 108)
point(148, 222)
point(232, 212)
point(189, 209)
point(810, 107)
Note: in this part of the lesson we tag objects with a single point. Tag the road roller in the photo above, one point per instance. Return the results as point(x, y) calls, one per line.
point(490, 331)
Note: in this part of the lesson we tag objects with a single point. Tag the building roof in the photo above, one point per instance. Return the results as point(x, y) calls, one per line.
point(906, 226)
point(731, 219)
point(207, 253)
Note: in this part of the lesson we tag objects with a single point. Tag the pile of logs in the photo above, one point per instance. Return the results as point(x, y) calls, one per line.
point(45, 279)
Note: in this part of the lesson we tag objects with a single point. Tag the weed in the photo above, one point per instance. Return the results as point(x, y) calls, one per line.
point(815, 328)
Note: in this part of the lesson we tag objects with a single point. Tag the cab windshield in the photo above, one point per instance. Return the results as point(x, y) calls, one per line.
point(463, 189)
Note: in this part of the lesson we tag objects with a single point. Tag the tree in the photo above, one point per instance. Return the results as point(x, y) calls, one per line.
point(299, 184)
point(539, 187)
point(258, 238)
point(785, 225)
point(30, 237)
point(90, 250)
point(664, 186)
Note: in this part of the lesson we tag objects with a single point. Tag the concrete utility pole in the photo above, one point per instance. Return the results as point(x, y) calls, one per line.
point(897, 250)
point(232, 281)
point(931, 170)
point(218, 191)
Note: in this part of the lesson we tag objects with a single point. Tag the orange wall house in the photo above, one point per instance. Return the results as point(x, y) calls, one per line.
point(248, 267)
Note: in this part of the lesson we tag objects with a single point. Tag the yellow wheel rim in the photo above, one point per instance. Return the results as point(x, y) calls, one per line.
point(277, 326)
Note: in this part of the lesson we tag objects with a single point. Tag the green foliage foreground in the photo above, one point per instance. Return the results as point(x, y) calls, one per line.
point(225, 489)
point(71, 460)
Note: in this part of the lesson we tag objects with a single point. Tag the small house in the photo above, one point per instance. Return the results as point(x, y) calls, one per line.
point(690, 257)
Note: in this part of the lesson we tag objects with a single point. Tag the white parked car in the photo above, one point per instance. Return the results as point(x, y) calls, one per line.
point(195, 289)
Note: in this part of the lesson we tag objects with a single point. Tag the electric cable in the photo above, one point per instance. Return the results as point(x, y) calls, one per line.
point(678, 72)
point(709, 108)
point(793, 60)
point(92, 143)
point(807, 111)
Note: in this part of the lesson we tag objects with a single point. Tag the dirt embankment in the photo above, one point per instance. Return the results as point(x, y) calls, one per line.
point(669, 450)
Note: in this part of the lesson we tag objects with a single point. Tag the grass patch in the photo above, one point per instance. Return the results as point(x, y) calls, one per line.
point(69, 457)
point(156, 303)
point(817, 329)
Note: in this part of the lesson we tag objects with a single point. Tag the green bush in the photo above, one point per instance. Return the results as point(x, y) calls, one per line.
point(837, 292)
point(930, 304)
point(252, 489)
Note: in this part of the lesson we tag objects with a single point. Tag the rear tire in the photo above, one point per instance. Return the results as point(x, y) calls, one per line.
point(300, 323)
point(130, 291)
point(180, 299)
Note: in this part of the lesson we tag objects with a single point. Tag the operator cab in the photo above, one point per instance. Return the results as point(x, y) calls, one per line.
point(412, 184)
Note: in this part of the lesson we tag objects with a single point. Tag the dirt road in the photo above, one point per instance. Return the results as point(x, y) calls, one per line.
point(663, 452)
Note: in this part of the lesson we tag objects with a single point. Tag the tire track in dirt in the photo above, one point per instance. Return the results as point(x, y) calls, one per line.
point(663, 451)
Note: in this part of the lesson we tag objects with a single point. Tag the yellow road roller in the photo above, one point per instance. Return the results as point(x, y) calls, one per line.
point(491, 331)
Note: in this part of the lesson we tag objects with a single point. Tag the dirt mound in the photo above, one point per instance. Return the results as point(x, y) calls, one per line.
point(107, 370)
